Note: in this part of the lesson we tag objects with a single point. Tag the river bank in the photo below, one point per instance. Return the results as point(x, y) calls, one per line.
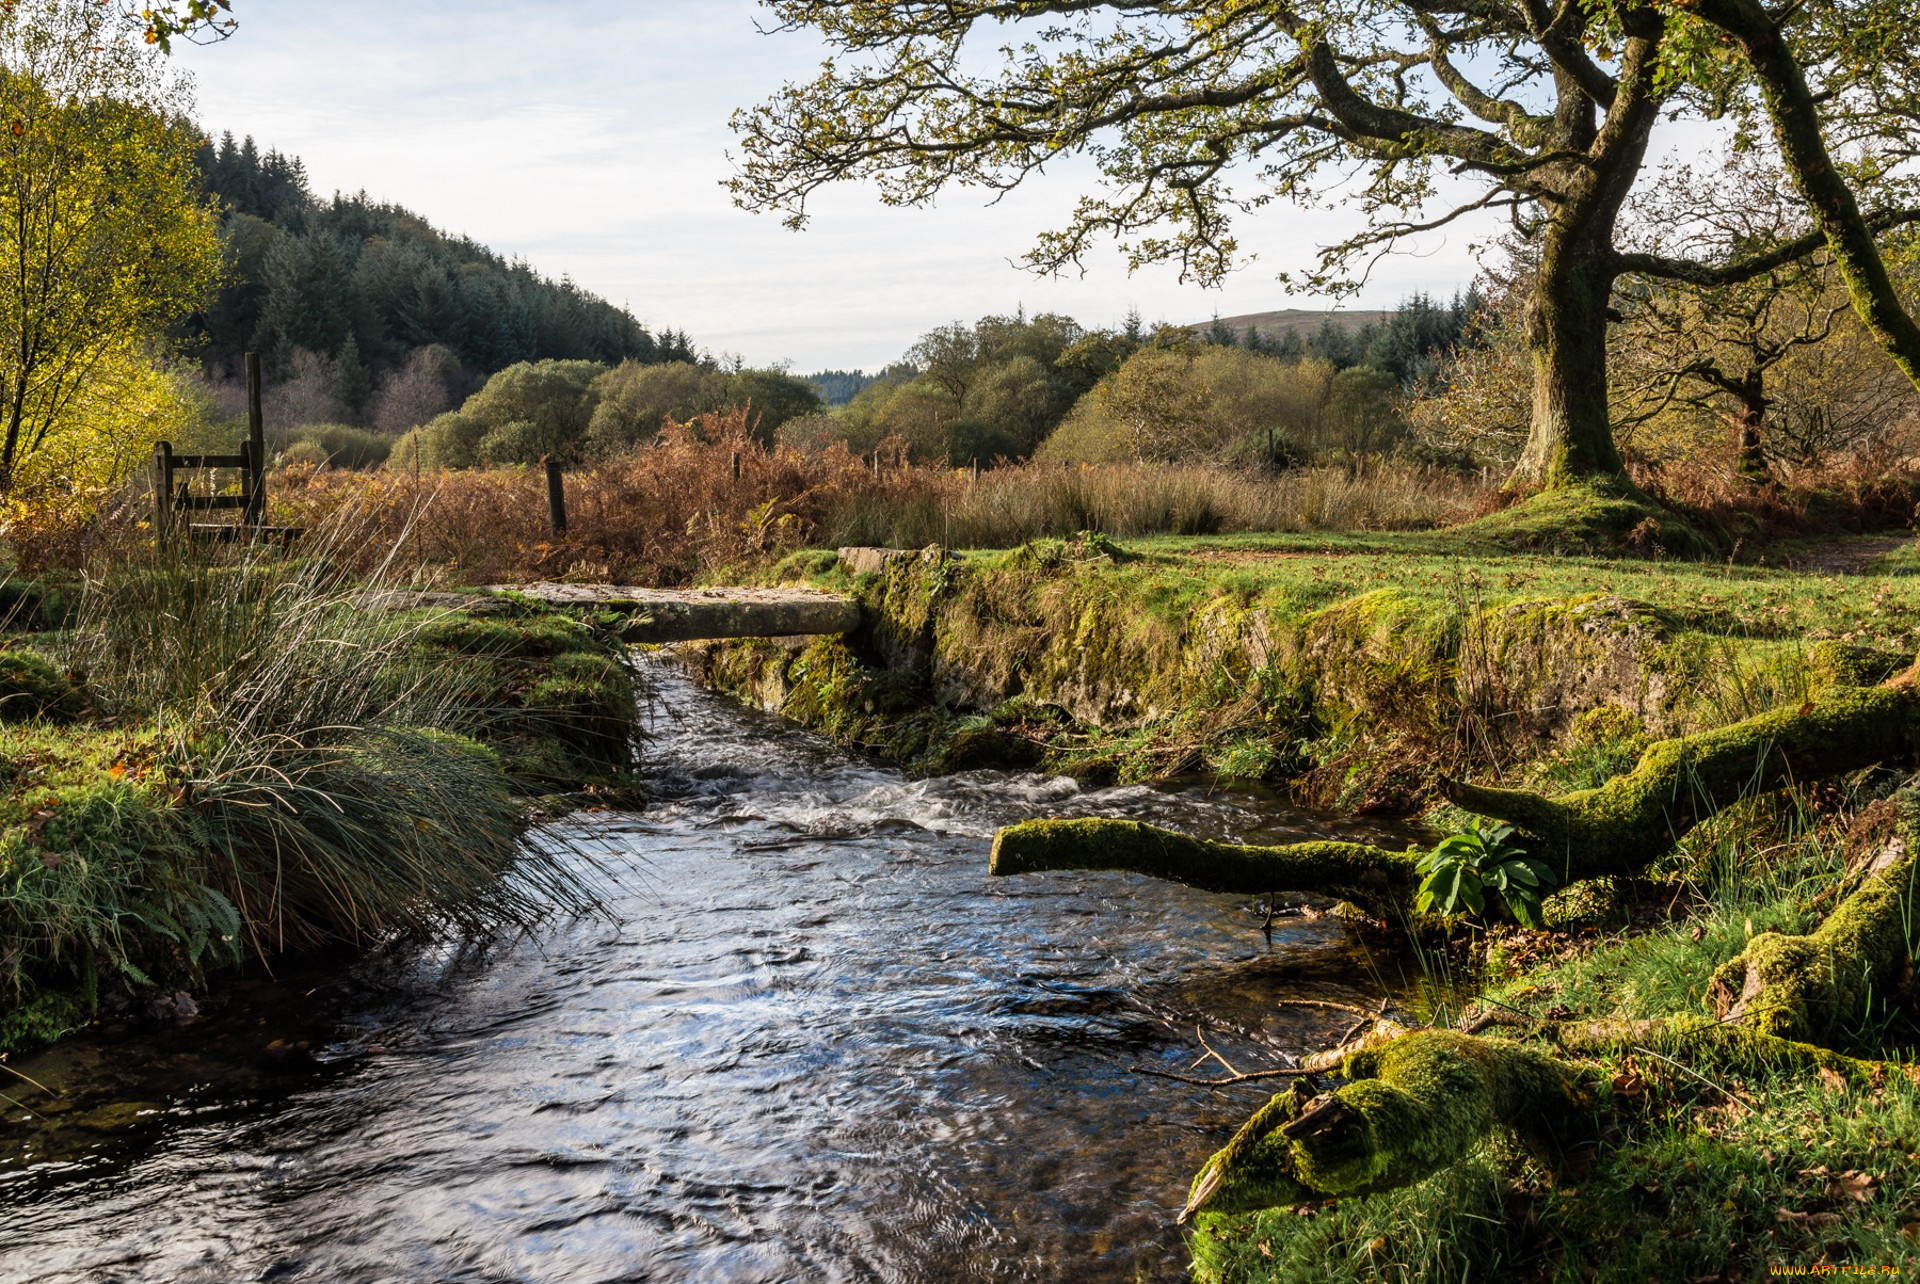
point(214, 766)
point(1357, 671)
point(1356, 668)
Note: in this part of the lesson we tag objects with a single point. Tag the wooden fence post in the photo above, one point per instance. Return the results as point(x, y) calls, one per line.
point(556, 498)
point(162, 490)
point(255, 450)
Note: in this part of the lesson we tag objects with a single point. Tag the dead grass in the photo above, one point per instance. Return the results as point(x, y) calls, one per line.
point(710, 495)
point(1867, 491)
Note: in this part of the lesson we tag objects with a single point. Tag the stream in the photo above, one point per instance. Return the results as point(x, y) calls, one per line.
point(813, 1041)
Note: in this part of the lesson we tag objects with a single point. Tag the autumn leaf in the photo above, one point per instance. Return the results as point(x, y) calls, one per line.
point(1833, 1079)
point(1854, 1184)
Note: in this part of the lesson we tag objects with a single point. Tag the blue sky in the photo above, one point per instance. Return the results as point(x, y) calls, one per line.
point(590, 137)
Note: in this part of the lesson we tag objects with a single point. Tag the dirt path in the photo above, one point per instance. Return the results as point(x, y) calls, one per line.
point(1847, 556)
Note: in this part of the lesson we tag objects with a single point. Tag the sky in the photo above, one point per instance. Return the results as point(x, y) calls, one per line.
point(590, 137)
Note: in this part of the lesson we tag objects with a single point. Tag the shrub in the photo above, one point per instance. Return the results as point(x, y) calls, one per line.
point(338, 446)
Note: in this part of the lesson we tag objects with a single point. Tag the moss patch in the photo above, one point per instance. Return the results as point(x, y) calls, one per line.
point(553, 695)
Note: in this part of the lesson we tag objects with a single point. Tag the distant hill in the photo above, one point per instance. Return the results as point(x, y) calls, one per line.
point(1278, 324)
point(367, 284)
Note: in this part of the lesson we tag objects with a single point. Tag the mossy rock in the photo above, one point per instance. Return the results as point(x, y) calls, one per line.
point(32, 689)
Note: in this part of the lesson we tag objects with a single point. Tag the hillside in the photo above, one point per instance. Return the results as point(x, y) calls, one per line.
point(364, 285)
point(1284, 321)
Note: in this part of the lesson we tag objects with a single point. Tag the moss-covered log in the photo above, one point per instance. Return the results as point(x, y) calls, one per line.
point(1632, 820)
point(1379, 881)
point(1413, 1106)
point(1703, 1043)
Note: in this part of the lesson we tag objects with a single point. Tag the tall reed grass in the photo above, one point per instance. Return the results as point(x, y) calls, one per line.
point(709, 494)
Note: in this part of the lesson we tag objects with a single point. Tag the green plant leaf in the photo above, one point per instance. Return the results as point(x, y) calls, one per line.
point(1517, 871)
point(1469, 891)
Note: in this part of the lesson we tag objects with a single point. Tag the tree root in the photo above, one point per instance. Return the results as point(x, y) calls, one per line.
point(1414, 1105)
point(1822, 987)
point(1712, 1045)
point(1380, 882)
point(1618, 829)
point(1631, 821)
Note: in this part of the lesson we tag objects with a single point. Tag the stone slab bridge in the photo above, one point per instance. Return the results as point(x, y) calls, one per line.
point(669, 615)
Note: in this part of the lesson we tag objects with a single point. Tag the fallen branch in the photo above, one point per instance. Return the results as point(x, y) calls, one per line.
point(1378, 881)
point(1236, 1077)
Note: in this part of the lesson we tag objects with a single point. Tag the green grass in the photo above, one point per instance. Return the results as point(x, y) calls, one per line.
point(1693, 1188)
point(1296, 574)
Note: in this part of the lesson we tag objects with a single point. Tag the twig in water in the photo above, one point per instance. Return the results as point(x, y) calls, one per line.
point(29, 1079)
point(1336, 1007)
point(1247, 1077)
point(1198, 1034)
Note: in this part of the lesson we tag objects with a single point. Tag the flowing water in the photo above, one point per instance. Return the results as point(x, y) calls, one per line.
point(815, 1041)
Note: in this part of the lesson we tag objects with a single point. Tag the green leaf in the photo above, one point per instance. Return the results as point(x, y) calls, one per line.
point(1469, 891)
point(1542, 871)
point(1527, 911)
point(1519, 872)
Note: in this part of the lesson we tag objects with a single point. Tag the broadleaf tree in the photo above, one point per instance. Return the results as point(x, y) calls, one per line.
point(1196, 112)
point(104, 236)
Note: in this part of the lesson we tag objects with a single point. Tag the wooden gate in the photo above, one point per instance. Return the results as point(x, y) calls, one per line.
point(175, 499)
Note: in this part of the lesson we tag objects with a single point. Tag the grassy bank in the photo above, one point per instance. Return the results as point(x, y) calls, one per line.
point(1356, 665)
point(1708, 1167)
point(211, 764)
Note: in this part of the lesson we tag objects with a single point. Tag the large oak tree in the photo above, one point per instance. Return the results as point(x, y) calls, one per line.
point(1418, 111)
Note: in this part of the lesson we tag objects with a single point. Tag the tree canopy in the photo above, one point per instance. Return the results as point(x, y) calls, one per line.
point(1420, 111)
point(104, 235)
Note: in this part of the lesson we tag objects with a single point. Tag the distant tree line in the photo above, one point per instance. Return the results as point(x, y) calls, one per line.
point(838, 387)
point(1010, 387)
point(1411, 343)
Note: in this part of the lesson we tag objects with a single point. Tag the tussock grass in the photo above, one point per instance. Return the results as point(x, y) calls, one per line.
point(278, 765)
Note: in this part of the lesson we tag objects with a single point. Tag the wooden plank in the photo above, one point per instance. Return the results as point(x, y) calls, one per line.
point(687, 615)
point(200, 503)
point(209, 461)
